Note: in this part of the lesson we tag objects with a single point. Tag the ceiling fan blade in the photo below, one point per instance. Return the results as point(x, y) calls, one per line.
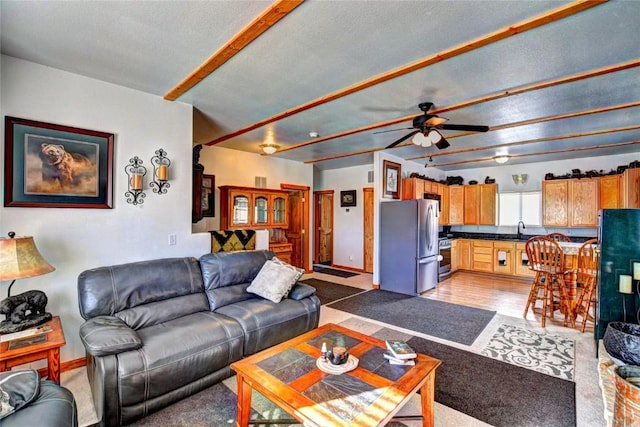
point(435, 121)
point(469, 128)
point(404, 138)
point(391, 130)
point(443, 143)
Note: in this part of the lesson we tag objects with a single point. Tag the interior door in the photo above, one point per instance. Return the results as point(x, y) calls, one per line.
point(368, 229)
point(296, 227)
point(324, 227)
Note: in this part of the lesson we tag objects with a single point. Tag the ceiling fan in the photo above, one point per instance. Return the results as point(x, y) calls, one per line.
point(426, 127)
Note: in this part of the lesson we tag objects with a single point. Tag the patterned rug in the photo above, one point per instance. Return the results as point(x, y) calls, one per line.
point(546, 353)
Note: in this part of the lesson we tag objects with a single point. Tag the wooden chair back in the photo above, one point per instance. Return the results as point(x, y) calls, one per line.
point(545, 255)
point(588, 258)
point(558, 237)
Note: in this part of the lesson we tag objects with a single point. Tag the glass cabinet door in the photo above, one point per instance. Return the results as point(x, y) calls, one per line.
point(240, 210)
point(261, 209)
point(279, 210)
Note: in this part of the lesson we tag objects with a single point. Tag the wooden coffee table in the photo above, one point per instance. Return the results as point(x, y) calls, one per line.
point(50, 350)
point(369, 395)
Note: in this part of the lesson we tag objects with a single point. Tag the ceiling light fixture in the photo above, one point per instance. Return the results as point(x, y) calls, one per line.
point(420, 140)
point(313, 134)
point(520, 178)
point(269, 148)
point(503, 158)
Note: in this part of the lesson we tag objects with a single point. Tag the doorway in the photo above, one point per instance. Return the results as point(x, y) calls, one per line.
point(298, 221)
point(323, 227)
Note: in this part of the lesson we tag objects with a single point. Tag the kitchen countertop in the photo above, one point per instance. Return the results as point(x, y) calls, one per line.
point(508, 237)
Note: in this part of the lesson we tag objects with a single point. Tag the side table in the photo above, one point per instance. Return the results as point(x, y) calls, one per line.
point(50, 350)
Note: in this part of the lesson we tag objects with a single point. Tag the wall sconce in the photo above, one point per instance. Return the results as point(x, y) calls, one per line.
point(625, 288)
point(520, 178)
point(161, 165)
point(135, 172)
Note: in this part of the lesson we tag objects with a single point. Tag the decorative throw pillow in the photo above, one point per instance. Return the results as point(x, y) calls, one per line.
point(275, 279)
point(5, 406)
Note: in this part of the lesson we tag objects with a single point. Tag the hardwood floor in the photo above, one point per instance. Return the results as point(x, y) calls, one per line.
point(503, 294)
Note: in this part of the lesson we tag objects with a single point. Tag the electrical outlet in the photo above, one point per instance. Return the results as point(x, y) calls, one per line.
point(172, 239)
point(350, 257)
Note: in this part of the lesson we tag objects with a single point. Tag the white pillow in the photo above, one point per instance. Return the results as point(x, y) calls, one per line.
point(274, 280)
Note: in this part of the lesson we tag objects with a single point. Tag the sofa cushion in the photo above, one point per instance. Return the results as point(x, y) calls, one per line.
point(266, 323)
point(106, 291)
point(226, 275)
point(275, 279)
point(177, 353)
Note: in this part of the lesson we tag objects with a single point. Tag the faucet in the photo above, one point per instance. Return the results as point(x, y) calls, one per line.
point(519, 232)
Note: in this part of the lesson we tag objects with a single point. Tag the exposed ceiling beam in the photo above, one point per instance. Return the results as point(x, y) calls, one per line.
point(565, 150)
point(525, 142)
point(255, 29)
point(493, 128)
point(520, 27)
point(491, 97)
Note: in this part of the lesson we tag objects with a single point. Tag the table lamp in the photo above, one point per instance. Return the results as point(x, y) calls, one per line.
point(19, 259)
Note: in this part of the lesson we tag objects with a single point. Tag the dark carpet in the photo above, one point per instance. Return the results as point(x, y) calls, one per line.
point(452, 322)
point(496, 392)
point(333, 271)
point(329, 291)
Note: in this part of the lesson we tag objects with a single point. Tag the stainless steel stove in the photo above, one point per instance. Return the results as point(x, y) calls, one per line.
point(444, 269)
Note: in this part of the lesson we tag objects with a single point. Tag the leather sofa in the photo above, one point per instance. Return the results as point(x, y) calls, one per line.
point(34, 402)
point(161, 330)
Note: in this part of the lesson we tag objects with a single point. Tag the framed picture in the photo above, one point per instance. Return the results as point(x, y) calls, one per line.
point(208, 195)
point(56, 166)
point(391, 173)
point(347, 198)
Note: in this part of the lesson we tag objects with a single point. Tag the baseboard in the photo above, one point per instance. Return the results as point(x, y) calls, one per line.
point(344, 267)
point(66, 366)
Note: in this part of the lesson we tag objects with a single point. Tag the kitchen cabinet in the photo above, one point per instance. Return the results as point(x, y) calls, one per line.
point(464, 254)
point(482, 256)
point(480, 204)
point(570, 202)
point(456, 204)
point(584, 201)
point(247, 207)
point(443, 191)
point(282, 251)
point(503, 257)
point(630, 186)
point(454, 255)
point(412, 188)
point(610, 192)
point(521, 262)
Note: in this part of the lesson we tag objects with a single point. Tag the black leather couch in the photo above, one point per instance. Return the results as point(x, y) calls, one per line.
point(36, 402)
point(159, 331)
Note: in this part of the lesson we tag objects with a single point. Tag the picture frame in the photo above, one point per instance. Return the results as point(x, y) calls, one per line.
point(55, 166)
point(208, 195)
point(347, 198)
point(391, 175)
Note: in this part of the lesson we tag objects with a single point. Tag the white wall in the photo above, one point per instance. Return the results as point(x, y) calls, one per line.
point(348, 222)
point(73, 240)
point(233, 167)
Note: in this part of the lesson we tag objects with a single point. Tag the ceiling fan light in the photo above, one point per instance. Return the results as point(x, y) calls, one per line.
point(269, 148)
point(503, 158)
point(419, 139)
point(434, 136)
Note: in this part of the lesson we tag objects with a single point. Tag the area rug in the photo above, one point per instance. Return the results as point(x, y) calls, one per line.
point(329, 291)
point(452, 322)
point(496, 392)
point(333, 271)
point(542, 352)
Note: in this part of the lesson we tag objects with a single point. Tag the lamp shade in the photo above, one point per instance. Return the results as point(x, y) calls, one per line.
point(19, 258)
point(269, 148)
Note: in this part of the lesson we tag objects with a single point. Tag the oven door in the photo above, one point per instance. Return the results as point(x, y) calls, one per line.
point(444, 270)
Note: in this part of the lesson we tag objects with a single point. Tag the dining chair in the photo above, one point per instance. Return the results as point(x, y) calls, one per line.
point(546, 258)
point(558, 237)
point(588, 259)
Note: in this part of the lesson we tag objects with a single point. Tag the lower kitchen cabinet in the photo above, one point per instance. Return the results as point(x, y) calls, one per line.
point(482, 256)
point(503, 256)
point(464, 254)
point(522, 262)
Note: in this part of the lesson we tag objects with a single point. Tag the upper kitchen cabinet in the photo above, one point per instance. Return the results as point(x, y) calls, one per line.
point(456, 204)
point(247, 207)
point(630, 188)
point(412, 188)
point(570, 202)
point(610, 192)
point(480, 204)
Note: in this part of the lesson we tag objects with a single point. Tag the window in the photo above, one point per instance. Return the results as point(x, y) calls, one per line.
point(515, 207)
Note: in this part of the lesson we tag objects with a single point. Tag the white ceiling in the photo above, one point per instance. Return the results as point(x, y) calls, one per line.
point(322, 47)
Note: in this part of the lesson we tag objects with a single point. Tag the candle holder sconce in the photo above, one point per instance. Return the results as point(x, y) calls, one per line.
point(629, 284)
point(135, 173)
point(161, 164)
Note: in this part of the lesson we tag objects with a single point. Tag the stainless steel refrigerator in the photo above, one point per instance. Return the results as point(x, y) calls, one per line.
point(409, 246)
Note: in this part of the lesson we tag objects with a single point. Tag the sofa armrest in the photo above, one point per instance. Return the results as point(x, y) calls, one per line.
point(104, 335)
point(301, 291)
